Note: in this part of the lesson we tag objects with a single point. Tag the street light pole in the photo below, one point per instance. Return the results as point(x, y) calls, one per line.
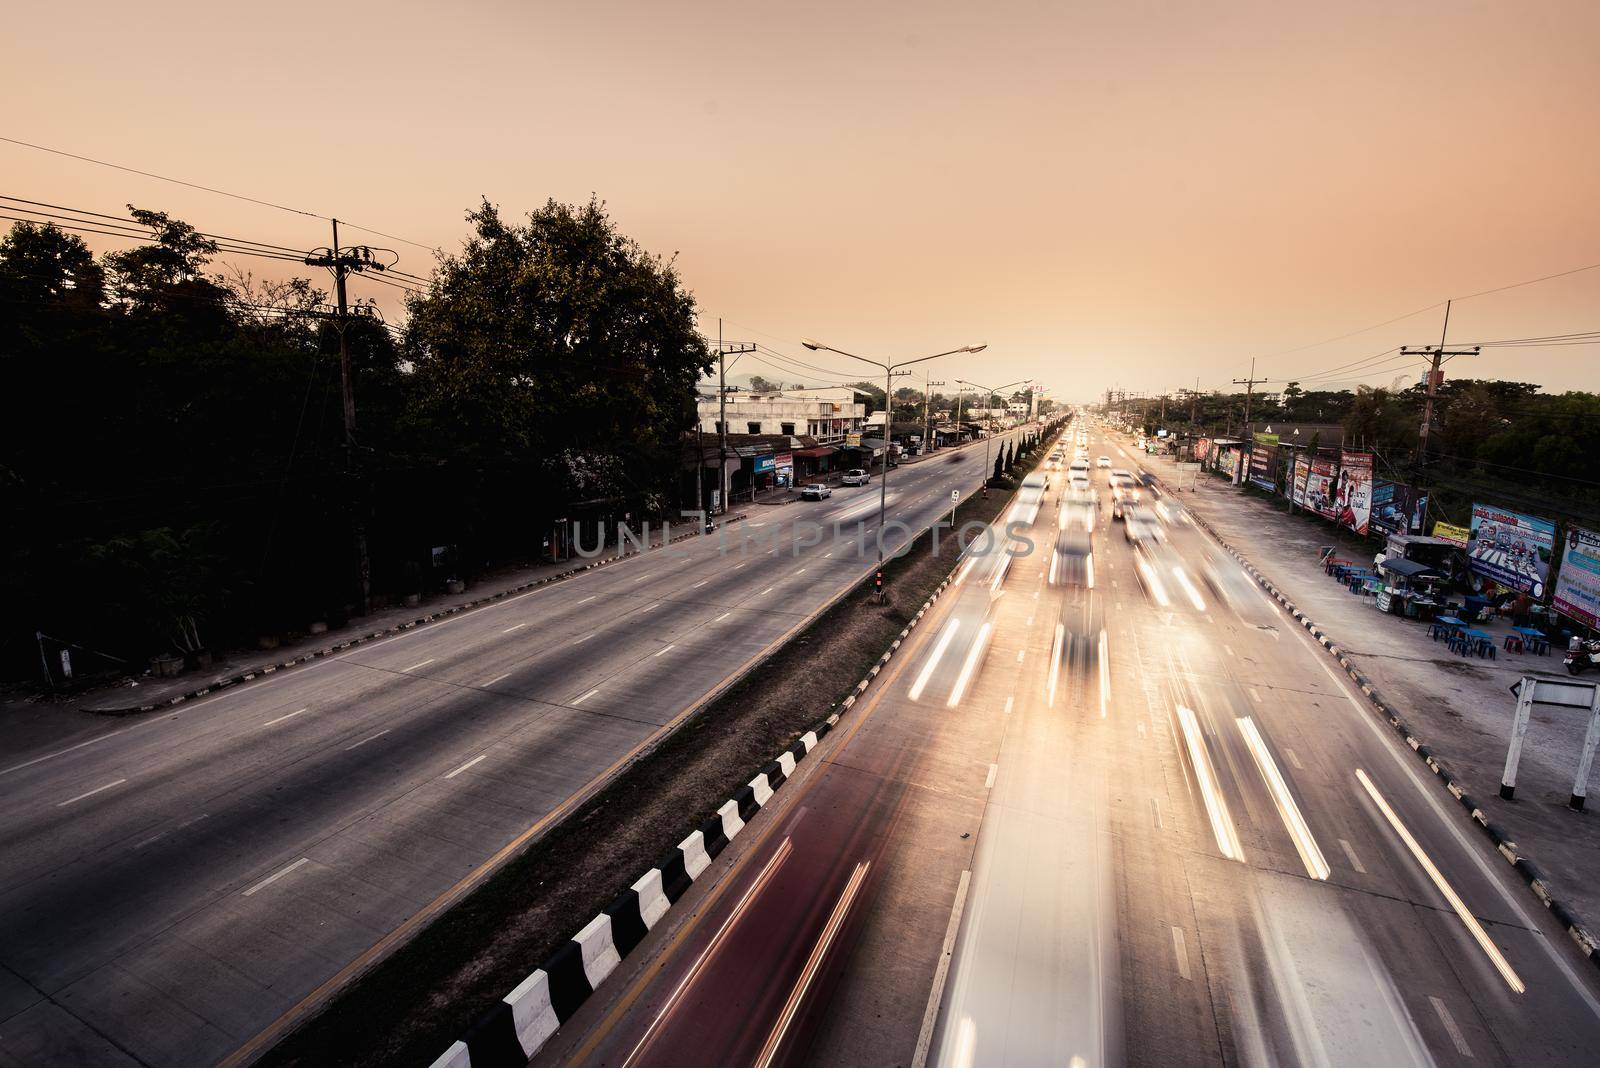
point(888, 411)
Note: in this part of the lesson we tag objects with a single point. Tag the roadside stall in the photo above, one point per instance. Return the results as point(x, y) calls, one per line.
point(1408, 588)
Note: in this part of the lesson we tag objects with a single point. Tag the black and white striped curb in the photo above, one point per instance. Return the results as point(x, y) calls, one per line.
point(517, 1026)
point(251, 674)
point(1575, 928)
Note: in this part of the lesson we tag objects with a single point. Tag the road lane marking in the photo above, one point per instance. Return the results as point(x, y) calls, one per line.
point(1456, 1037)
point(1350, 854)
point(930, 1015)
point(697, 585)
point(988, 783)
point(830, 931)
point(1180, 952)
point(468, 764)
point(1155, 813)
point(764, 592)
point(497, 678)
point(515, 626)
point(650, 607)
point(1305, 843)
point(668, 649)
point(586, 637)
point(1255, 696)
point(1009, 700)
point(1294, 760)
point(280, 719)
point(1020, 654)
point(367, 739)
point(1229, 650)
point(275, 876)
point(586, 696)
point(644, 576)
point(1480, 936)
point(723, 616)
point(779, 855)
point(422, 664)
point(589, 598)
point(802, 571)
point(89, 793)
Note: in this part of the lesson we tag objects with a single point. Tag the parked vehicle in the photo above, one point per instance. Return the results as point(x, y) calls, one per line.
point(815, 491)
point(857, 476)
point(1582, 654)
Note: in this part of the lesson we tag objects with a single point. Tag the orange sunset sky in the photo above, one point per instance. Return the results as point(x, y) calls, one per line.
point(1131, 194)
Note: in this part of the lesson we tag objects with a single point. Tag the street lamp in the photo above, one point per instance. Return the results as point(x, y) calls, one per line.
point(888, 411)
point(989, 418)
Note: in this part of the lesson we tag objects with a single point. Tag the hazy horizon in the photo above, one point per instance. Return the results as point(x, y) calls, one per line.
point(1142, 197)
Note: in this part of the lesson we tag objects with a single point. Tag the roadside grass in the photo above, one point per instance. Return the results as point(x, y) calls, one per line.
point(412, 1005)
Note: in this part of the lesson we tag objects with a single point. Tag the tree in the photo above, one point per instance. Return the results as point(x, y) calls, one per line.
point(762, 385)
point(999, 464)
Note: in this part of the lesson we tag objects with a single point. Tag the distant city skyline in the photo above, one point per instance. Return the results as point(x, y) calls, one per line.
point(1120, 196)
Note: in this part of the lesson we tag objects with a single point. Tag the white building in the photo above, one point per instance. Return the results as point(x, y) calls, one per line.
point(827, 414)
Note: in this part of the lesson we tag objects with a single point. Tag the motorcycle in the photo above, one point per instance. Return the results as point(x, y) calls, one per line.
point(1582, 654)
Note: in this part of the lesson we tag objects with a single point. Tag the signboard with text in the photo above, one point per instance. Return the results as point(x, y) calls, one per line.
point(1321, 487)
point(1511, 548)
point(1297, 485)
point(1578, 581)
point(1263, 466)
point(1453, 534)
point(1353, 497)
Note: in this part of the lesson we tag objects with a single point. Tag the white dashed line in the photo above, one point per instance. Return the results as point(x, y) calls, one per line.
point(988, 784)
point(468, 764)
point(1350, 854)
point(589, 598)
point(664, 651)
point(586, 696)
point(1294, 759)
point(764, 592)
point(422, 664)
point(1020, 654)
point(517, 626)
point(89, 793)
point(365, 740)
point(497, 678)
point(585, 638)
point(723, 616)
point(1456, 1037)
point(280, 719)
point(1180, 952)
point(697, 585)
point(275, 876)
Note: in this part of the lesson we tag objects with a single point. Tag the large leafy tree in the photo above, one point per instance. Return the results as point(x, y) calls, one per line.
point(554, 358)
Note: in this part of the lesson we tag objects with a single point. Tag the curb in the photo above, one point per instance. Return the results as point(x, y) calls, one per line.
point(518, 1025)
point(1503, 845)
point(251, 674)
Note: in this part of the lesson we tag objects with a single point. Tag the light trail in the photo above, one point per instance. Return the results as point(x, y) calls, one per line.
point(939, 649)
point(1206, 776)
point(1055, 662)
point(968, 669)
point(1479, 935)
point(1299, 830)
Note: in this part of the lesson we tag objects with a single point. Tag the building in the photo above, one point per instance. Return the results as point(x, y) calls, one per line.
point(830, 415)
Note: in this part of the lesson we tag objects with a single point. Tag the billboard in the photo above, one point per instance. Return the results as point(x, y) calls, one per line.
point(1511, 548)
point(1320, 487)
point(1397, 508)
point(1578, 581)
point(1452, 533)
point(1302, 472)
point(1353, 497)
point(763, 464)
point(1264, 467)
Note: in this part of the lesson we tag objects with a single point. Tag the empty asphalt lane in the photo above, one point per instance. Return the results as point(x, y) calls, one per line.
point(124, 914)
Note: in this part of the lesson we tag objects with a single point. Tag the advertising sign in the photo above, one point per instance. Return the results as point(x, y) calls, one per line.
point(1453, 534)
point(1511, 548)
point(1578, 582)
point(1321, 487)
point(1302, 472)
point(1354, 494)
point(1397, 508)
point(852, 439)
point(1202, 451)
point(765, 464)
point(783, 464)
point(1264, 466)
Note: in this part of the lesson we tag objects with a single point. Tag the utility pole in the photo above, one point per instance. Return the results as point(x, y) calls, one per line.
point(342, 262)
point(723, 353)
point(927, 412)
point(1249, 385)
point(1435, 379)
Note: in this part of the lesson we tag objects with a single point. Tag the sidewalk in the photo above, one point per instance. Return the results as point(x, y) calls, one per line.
point(1460, 708)
point(32, 723)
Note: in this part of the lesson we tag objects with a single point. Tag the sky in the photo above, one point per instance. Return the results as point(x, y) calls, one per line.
point(1134, 195)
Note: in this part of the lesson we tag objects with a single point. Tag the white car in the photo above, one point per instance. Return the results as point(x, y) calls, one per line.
point(1104, 461)
point(816, 491)
point(857, 477)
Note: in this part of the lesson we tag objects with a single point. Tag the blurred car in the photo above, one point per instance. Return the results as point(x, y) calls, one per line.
point(1073, 561)
point(1139, 526)
point(857, 477)
point(1104, 461)
point(816, 491)
point(1124, 491)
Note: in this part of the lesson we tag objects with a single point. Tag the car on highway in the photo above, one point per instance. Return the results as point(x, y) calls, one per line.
point(1139, 526)
point(857, 476)
point(1124, 491)
point(1104, 461)
point(815, 491)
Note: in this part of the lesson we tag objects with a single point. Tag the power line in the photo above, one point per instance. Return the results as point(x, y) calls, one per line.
point(211, 189)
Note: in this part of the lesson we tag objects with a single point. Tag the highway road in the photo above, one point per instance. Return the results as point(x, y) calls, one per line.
point(1189, 843)
point(174, 884)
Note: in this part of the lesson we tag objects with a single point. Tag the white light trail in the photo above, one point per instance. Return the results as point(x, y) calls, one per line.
point(933, 659)
point(1299, 831)
point(1055, 662)
point(1105, 676)
point(1206, 776)
point(1498, 959)
point(1189, 588)
point(1153, 584)
point(968, 669)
